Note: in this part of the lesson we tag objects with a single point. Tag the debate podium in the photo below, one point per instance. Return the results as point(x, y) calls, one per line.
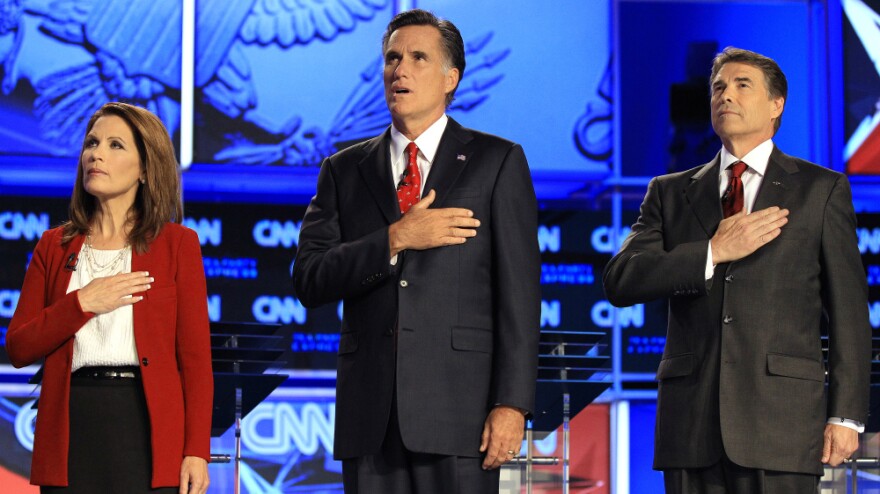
point(245, 363)
point(846, 477)
point(572, 372)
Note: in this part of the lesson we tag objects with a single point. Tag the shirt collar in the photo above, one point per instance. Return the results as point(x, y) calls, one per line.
point(428, 141)
point(757, 158)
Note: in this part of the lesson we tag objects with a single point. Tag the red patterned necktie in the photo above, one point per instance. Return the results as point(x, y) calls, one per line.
point(733, 198)
point(410, 185)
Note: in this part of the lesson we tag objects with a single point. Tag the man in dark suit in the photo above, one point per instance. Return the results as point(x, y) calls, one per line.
point(438, 352)
point(756, 252)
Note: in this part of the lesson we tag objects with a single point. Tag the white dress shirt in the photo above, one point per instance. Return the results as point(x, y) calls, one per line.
point(756, 160)
point(427, 142)
point(106, 339)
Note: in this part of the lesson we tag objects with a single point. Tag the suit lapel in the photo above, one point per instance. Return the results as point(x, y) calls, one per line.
point(70, 262)
point(453, 154)
point(702, 195)
point(778, 181)
point(140, 262)
point(375, 169)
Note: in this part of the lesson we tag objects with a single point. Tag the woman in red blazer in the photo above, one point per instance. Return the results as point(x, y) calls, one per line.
point(115, 301)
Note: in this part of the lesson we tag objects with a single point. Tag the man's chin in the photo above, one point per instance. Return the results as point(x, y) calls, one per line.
point(399, 114)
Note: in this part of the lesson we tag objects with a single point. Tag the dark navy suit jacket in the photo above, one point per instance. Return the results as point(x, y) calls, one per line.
point(468, 315)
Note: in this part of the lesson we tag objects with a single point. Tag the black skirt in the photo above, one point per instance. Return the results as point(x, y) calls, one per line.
point(109, 439)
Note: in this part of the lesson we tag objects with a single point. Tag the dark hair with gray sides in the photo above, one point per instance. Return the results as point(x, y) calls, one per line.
point(777, 85)
point(450, 39)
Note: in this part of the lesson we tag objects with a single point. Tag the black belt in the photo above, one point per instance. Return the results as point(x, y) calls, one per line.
point(108, 373)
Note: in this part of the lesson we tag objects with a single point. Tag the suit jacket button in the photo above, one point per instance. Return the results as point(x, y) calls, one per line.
point(389, 332)
point(403, 284)
point(145, 361)
point(727, 320)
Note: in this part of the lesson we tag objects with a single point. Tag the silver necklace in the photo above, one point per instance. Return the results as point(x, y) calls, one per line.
point(98, 270)
point(109, 268)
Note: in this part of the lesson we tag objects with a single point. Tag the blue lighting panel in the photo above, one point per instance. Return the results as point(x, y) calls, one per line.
point(279, 88)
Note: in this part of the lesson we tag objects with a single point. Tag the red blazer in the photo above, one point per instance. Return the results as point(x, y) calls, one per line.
point(172, 339)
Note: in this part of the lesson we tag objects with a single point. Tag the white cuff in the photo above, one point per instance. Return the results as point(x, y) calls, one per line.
point(710, 268)
point(850, 424)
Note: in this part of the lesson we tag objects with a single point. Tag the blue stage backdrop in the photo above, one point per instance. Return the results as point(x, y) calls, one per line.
point(284, 84)
point(663, 47)
point(248, 252)
point(277, 86)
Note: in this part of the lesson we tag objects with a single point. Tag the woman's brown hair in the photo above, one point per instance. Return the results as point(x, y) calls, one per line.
point(158, 198)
